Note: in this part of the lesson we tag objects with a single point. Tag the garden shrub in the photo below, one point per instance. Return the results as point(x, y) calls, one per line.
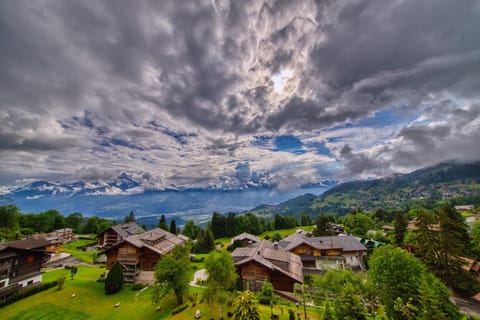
point(138, 286)
point(179, 309)
point(23, 293)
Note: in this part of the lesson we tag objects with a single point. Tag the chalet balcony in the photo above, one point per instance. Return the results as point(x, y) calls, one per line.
point(4, 267)
point(127, 259)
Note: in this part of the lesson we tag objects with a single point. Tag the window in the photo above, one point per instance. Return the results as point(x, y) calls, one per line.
point(30, 259)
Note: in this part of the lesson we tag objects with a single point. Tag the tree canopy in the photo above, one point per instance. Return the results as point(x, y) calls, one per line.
point(404, 285)
point(245, 307)
point(173, 272)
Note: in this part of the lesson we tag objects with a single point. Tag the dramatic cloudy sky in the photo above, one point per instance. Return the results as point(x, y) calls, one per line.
point(204, 93)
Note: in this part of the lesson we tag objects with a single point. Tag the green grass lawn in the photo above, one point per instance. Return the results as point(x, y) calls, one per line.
point(285, 232)
point(90, 302)
point(85, 256)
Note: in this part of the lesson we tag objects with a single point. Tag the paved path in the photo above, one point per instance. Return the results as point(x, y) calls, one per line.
point(199, 276)
point(467, 306)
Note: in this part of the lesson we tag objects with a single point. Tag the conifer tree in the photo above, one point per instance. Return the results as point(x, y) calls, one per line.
point(114, 280)
point(129, 218)
point(401, 224)
point(163, 223)
point(173, 226)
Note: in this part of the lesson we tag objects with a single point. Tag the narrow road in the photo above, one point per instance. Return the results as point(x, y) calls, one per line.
point(200, 275)
point(467, 306)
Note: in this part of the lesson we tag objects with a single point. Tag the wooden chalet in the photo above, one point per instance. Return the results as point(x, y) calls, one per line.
point(66, 234)
point(117, 233)
point(246, 239)
point(265, 261)
point(20, 263)
point(323, 253)
point(141, 252)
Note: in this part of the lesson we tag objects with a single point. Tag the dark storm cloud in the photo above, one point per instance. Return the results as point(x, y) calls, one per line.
point(371, 37)
point(196, 79)
point(422, 144)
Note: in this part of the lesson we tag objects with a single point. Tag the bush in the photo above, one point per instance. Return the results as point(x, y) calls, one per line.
point(264, 300)
point(291, 314)
point(23, 293)
point(276, 236)
point(138, 286)
point(194, 259)
point(234, 245)
point(61, 282)
point(179, 309)
point(114, 280)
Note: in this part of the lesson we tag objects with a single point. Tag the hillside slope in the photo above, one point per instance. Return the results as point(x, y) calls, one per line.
point(444, 181)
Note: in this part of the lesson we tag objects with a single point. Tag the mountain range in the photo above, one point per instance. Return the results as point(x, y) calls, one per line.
point(116, 198)
point(452, 180)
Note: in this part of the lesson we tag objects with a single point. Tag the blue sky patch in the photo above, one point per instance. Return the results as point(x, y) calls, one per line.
point(320, 148)
point(119, 142)
point(288, 143)
point(385, 118)
point(181, 137)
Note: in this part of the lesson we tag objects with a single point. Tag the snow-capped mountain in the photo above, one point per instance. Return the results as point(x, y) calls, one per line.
point(137, 192)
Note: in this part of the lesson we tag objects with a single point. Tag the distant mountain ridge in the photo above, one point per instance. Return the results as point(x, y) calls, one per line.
point(443, 181)
point(116, 198)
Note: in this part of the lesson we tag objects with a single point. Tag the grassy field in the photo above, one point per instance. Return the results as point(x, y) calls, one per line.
point(90, 302)
point(85, 256)
point(285, 232)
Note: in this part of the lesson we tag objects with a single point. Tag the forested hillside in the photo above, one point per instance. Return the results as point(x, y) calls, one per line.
point(458, 182)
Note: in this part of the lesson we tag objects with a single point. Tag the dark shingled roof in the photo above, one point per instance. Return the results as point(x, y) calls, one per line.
point(29, 243)
point(245, 235)
point(344, 243)
point(127, 229)
point(267, 255)
point(157, 240)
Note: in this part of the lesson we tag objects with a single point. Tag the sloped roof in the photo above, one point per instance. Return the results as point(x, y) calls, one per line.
point(246, 235)
point(127, 229)
point(267, 255)
point(157, 240)
point(344, 243)
point(29, 243)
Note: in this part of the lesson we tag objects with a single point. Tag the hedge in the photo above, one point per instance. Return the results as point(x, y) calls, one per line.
point(23, 293)
point(179, 309)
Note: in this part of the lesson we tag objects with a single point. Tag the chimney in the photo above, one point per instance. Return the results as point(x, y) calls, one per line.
point(275, 245)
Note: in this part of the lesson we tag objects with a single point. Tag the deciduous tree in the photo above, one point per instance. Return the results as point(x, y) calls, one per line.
point(221, 276)
point(172, 272)
point(405, 287)
point(245, 307)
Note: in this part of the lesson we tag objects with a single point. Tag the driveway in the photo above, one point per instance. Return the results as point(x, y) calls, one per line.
point(200, 275)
